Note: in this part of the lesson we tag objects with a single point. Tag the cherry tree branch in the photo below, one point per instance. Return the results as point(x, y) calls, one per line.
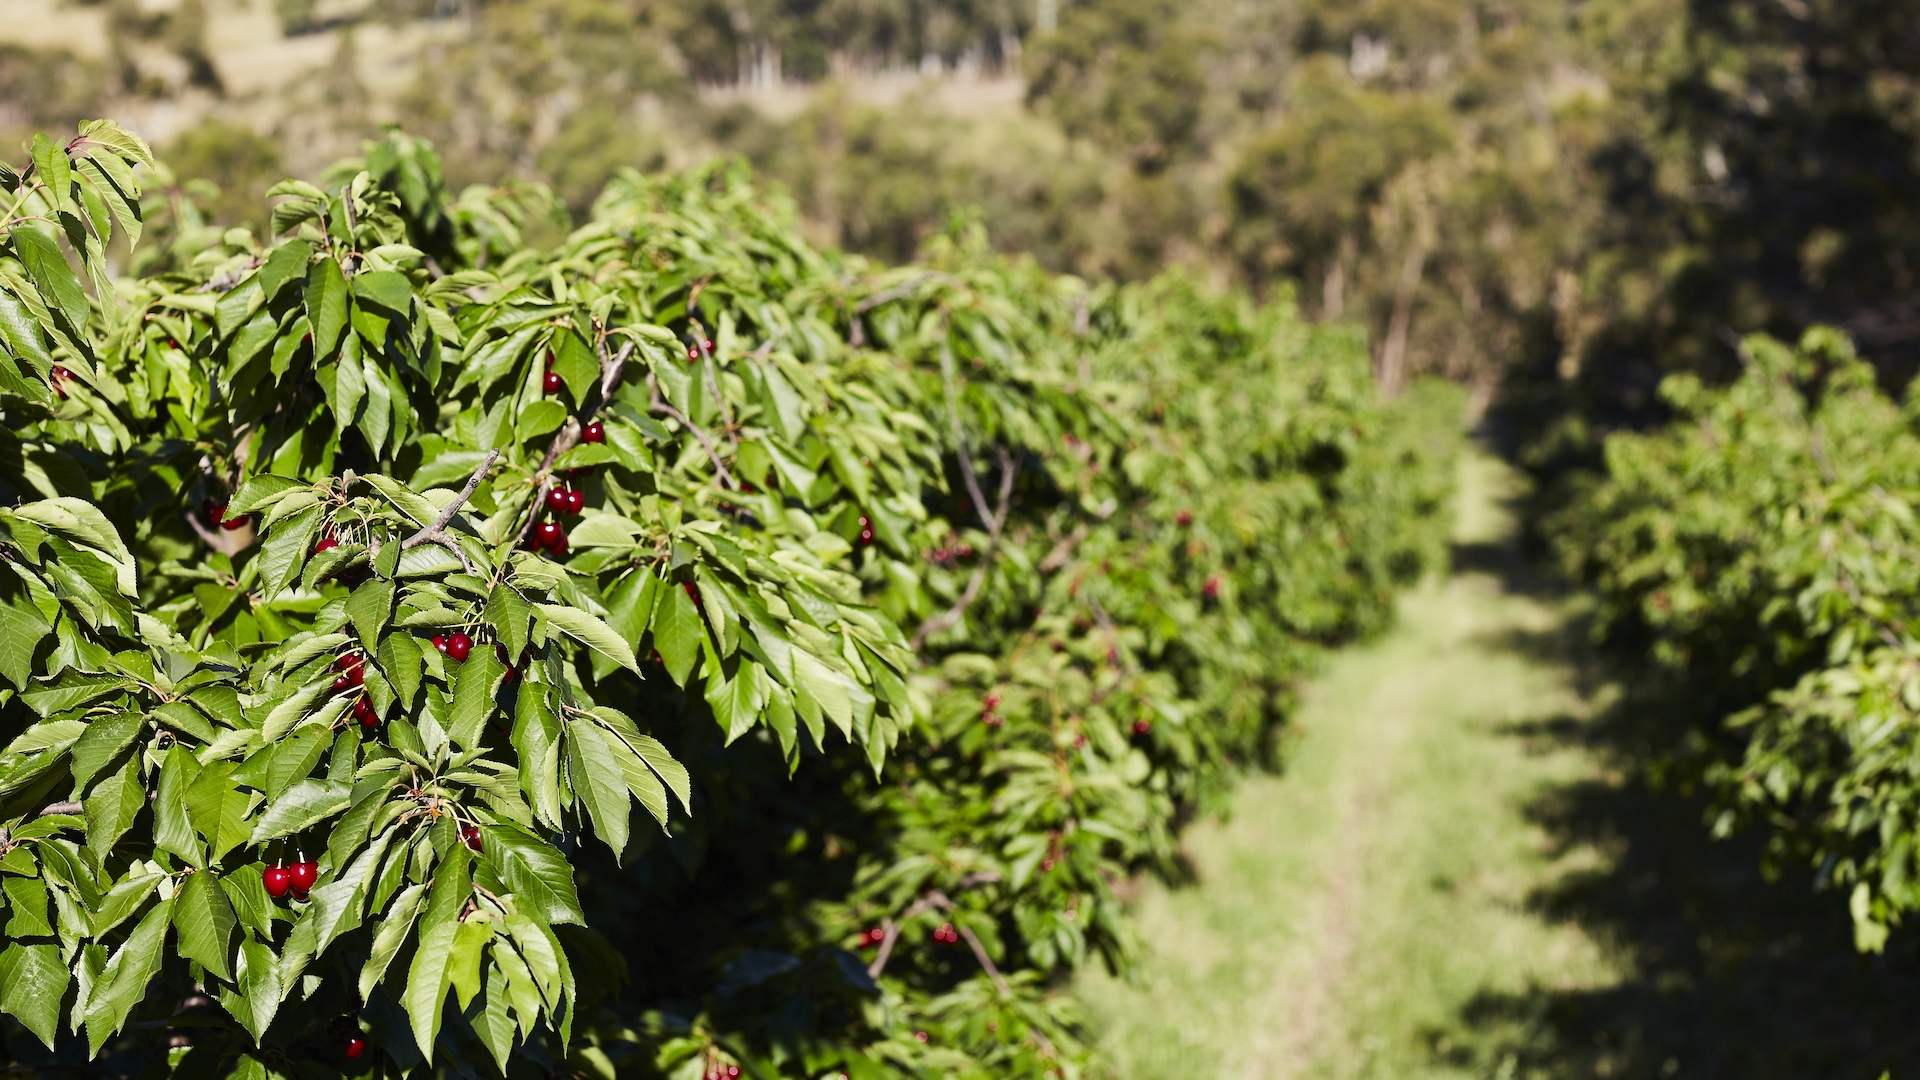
point(74, 807)
point(663, 407)
point(569, 434)
point(436, 533)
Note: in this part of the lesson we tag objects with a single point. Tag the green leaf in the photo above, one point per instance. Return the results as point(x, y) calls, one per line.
point(385, 288)
point(55, 170)
point(305, 805)
point(26, 907)
point(429, 976)
point(123, 983)
point(591, 632)
point(678, 632)
point(463, 965)
point(48, 268)
point(112, 805)
point(599, 782)
point(509, 613)
point(369, 607)
point(474, 684)
point(20, 333)
point(288, 544)
point(395, 925)
point(218, 809)
point(172, 831)
point(205, 923)
point(83, 522)
point(326, 302)
point(33, 983)
point(534, 870)
point(101, 744)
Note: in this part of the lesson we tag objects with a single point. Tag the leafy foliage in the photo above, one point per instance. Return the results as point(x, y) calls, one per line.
point(1760, 550)
point(366, 574)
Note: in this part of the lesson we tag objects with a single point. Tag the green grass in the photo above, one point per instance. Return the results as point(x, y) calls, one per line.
point(1353, 909)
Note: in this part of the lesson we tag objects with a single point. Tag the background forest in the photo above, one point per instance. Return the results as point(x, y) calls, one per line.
point(1557, 200)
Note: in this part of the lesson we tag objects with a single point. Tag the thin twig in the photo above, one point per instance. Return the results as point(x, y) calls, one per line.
point(436, 533)
point(995, 521)
point(661, 405)
point(74, 807)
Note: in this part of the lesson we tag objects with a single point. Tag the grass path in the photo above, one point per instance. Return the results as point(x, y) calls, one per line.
point(1354, 908)
point(1464, 872)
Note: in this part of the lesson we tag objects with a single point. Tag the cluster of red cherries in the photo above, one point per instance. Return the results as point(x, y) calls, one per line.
point(872, 936)
point(717, 1071)
point(947, 556)
point(296, 877)
point(353, 676)
point(866, 530)
point(987, 714)
point(945, 934)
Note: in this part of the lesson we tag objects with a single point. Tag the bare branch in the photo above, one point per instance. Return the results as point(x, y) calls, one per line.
point(74, 807)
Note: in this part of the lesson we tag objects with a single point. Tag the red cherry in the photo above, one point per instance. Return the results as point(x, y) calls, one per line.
point(470, 836)
point(866, 537)
point(277, 879)
point(558, 500)
point(356, 1047)
point(549, 360)
point(459, 647)
point(693, 352)
point(304, 874)
point(595, 432)
point(351, 665)
point(692, 591)
point(1211, 590)
point(1141, 727)
point(707, 345)
point(439, 642)
point(342, 683)
point(363, 712)
point(552, 383)
point(1184, 518)
point(557, 547)
point(327, 543)
point(576, 501)
point(58, 379)
point(545, 533)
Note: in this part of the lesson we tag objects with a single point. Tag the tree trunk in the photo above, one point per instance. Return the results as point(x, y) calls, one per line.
point(1393, 352)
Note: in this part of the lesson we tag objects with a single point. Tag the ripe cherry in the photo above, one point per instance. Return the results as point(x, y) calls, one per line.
point(1184, 518)
point(557, 547)
point(363, 712)
point(991, 703)
point(470, 836)
point(353, 667)
point(303, 874)
point(552, 383)
point(356, 1047)
point(576, 501)
point(595, 432)
point(277, 879)
point(693, 591)
point(327, 543)
point(1211, 590)
point(439, 642)
point(459, 647)
point(693, 352)
point(559, 499)
point(1141, 727)
point(547, 533)
point(341, 682)
point(57, 379)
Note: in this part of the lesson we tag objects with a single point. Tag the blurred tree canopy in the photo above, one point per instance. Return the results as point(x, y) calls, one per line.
point(1558, 200)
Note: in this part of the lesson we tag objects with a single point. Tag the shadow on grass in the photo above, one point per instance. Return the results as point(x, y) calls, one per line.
point(1730, 975)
